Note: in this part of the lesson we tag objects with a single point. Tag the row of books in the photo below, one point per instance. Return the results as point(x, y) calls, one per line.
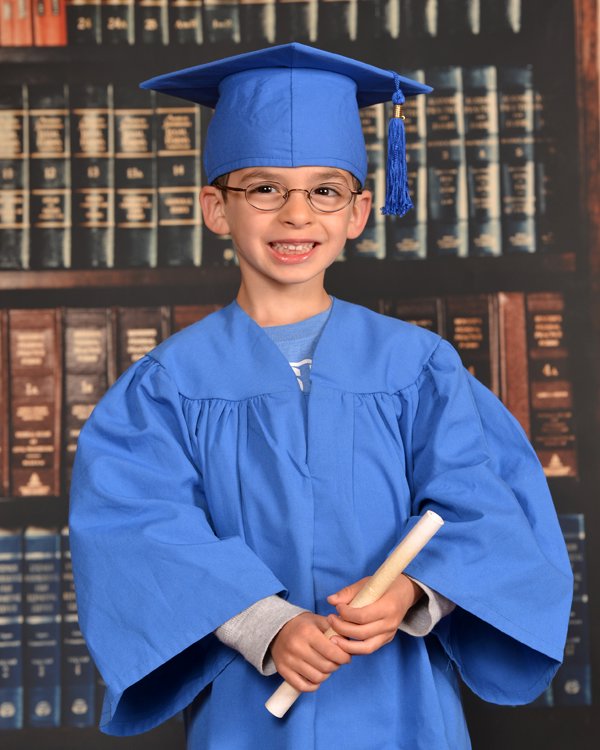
point(48, 679)
point(58, 362)
point(103, 175)
point(161, 22)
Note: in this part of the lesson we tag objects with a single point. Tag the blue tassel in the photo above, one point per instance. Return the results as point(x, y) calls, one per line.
point(397, 197)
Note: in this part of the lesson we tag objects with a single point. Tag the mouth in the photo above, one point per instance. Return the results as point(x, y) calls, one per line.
point(292, 252)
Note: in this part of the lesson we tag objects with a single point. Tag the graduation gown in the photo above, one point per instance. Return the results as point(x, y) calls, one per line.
point(205, 480)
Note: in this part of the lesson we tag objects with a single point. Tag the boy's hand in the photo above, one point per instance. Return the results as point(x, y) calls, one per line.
point(372, 626)
point(302, 654)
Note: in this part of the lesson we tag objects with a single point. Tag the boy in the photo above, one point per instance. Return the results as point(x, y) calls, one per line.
point(240, 481)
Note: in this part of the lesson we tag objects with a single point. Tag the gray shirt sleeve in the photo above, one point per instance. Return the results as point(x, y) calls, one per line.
point(427, 612)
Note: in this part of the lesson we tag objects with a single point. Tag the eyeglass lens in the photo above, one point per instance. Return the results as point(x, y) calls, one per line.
point(269, 196)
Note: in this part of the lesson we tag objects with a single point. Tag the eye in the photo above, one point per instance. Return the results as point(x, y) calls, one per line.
point(329, 191)
point(264, 188)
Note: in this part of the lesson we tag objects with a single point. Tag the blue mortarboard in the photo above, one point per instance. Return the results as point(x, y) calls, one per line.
point(292, 105)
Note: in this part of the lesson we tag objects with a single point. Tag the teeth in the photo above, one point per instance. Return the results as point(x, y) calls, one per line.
point(292, 248)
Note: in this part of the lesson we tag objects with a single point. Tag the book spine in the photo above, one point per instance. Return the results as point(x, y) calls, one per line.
point(501, 17)
point(50, 178)
point(376, 19)
point(84, 21)
point(183, 316)
point(22, 22)
point(135, 178)
point(407, 235)
point(517, 163)
point(371, 243)
point(552, 225)
point(88, 371)
point(512, 342)
point(49, 23)
point(4, 407)
point(418, 18)
point(139, 330)
point(118, 22)
point(425, 312)
point(6, 23)
point(572, 685)
point(222, 21)
point(14, 177)
point(35, 385)
point(458, 17)
point(178, 162)
point(482, 151)
point(77, 669)
point(551, 389)
point(152, 22)
point(446, 164)
point(41, 594)
point(257, 21)
point(296, 20)
point(471, 327)
point(336, 19)
point(11, 628)
point(92, 173)
point(186, 21)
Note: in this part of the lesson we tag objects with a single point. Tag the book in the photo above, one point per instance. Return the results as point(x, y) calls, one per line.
point(552, 169)
point(78, 675)
point(446, 164)
point(407, 235)
point(4, 407)
point(185, 22)
point(11, 628)
point(178, 167)
point(377, 19)
point(183, 316)
point(517, 158)
point(89, 369)
point(458, 18)
point(222, 21)
point(84, 21)
point(139, 330)
point(92, 173)
point(151, 21)
point(118, 22)
point(336, 19)
point(553, 433)
point(135, 178)
point(372, 243)
point(296, 21)
point(257, 21)
point(41, 598)
point(482, 152)
point(572, 685)
point(49, 176)
point(21, 22)
point(470, 325)
point(14, 177)
point(501, 16)
point(512, 346)
point(35, 386)
point(49, 23)
point(425, 312)
point(418, 18)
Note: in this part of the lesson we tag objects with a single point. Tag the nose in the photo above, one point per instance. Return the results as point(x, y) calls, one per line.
point(297, 210)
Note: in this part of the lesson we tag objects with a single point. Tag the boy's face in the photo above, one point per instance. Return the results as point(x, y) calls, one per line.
point(294, 244)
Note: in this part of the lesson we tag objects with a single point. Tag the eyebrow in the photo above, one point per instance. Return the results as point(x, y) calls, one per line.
point(261, 174)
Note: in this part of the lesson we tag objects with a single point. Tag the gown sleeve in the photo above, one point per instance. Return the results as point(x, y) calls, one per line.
point(153, 581)
point(500, 556)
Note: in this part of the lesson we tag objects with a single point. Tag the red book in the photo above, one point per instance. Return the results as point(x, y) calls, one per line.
point(20, 14)
point(6, 23)
point(49, 23)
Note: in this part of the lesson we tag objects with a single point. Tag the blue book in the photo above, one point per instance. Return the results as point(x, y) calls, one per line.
point(41, 593)
point(11, 629)
point(78, 673)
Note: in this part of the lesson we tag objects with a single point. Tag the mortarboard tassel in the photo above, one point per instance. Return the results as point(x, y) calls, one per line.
point(397, 197)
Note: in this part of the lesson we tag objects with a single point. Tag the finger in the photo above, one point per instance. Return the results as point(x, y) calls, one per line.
point(363, 615)
point(348, 593)
point(358, 632)
point(331, 652)
point(297, 681)
point(368, 646)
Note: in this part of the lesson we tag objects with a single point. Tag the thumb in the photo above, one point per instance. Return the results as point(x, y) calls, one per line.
point(345, 595)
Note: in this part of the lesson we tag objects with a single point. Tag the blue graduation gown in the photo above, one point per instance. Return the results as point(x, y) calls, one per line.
point(205, 480)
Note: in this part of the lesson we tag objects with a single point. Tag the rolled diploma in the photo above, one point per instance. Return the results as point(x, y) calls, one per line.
point(429, 523)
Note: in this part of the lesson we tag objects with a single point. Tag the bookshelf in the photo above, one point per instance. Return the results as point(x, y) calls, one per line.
point(560, 40)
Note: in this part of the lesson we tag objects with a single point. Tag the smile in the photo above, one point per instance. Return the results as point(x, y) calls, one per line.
point(292, 249)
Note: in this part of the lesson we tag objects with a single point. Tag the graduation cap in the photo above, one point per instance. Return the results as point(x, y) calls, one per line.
point(293, 105)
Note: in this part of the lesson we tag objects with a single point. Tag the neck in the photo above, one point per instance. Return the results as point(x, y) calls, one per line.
point(289, 306)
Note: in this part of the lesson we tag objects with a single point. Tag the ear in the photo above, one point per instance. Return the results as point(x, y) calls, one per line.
point(361, 208)
point(213, 210)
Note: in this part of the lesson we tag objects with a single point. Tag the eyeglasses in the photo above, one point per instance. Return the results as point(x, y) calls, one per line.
point(271, 196)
